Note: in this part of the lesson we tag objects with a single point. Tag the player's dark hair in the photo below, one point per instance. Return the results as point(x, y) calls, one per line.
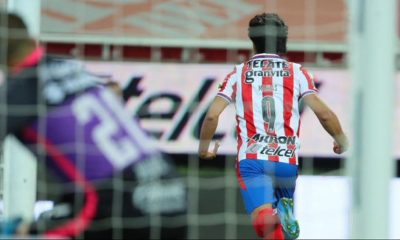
point(269, 33)
point(13, 34)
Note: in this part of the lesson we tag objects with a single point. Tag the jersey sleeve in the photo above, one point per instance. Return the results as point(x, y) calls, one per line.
point(227, 90)
point(307, 85)
point(19, 105)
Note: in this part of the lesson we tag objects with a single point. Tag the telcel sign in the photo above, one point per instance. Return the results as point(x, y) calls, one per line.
point(170, 101)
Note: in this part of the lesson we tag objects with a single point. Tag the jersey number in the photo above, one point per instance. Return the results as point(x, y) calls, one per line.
point(119, 151)
point(268, 110)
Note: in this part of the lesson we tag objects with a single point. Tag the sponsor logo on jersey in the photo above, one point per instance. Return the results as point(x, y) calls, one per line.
point(266, 68)
point(267, 64)
point(274, 139)
point(272, 150)
point(272, 145)
point(267, 88)
point(268, 73)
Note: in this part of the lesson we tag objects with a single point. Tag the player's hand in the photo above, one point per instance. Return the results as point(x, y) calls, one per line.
point(339, 149)
point(210, 155)
point(341, 144)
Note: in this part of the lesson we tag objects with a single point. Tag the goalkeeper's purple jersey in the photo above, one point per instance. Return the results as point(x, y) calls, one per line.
point(92, 132)
point(69, 120)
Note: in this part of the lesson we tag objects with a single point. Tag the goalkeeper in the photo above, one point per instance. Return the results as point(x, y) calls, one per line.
point(110, 174)
point(266, 91)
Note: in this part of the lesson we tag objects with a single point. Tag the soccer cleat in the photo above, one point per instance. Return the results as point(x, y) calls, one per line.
point(289, 223)
point(9, 227)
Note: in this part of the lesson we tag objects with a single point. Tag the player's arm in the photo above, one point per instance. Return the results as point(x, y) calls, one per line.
point(329, 121)
point(209, 126)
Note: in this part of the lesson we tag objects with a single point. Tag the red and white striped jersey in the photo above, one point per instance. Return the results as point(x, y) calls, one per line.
point(266, 91)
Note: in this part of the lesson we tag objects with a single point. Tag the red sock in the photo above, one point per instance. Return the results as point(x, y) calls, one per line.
point(277, 233)
point(267, 224)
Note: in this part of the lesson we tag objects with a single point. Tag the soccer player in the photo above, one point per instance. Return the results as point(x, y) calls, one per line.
point(266, 91)
point(112, 178)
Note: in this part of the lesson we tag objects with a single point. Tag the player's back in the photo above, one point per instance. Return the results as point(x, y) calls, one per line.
point(266, 91)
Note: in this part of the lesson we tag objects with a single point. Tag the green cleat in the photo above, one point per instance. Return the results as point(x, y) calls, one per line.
point(289, 223)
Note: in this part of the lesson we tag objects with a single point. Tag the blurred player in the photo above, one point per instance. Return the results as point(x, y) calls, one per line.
point(266, 91)
point(108, 172)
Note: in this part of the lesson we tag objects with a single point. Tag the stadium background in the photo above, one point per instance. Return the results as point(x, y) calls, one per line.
point(170, 56)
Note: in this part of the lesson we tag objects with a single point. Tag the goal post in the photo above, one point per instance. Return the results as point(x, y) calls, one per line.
point(372, 49)
point(29, 11)
point(19, 178)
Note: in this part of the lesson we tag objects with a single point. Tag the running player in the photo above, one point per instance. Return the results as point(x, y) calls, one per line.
point(111, 177)
point(266, 91)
